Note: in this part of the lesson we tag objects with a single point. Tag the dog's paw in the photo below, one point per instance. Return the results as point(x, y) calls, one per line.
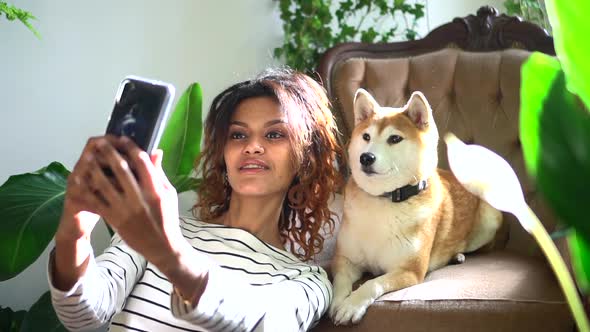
point(339, 297)
point(351, 309)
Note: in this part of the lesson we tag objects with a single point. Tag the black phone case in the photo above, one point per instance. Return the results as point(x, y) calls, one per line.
point(141, 111)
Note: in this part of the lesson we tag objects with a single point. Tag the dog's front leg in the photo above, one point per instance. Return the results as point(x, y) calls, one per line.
point(345, 274)
point(354, 307)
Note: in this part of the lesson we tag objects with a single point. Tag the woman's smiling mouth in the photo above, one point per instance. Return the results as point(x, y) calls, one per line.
point(253, 166)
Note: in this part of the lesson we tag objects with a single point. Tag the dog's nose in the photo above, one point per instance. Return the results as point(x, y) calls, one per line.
point(367, 159)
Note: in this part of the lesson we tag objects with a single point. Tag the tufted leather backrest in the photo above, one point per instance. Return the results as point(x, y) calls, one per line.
point(469, 70)
point(475, 95)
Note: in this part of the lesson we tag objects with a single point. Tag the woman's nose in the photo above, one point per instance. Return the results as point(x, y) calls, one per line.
point(254, 147)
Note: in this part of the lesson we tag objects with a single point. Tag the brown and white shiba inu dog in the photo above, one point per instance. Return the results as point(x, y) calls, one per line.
point(403, 217)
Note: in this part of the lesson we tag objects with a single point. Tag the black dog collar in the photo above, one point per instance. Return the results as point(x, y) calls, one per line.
point(405, 192)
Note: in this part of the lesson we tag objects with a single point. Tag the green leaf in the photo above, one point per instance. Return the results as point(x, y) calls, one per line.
point(418, 11)
point(512, 7)
point(369, 35)
point(10, 321)
point(570, 26)
point(12, 13)
point(31, 28)
point(181, 141)
point(411, 34)
point(555, 136)
point(277, 52)
point(42, 317)
point(30, 208)
point(580, 252)
point(184, 183)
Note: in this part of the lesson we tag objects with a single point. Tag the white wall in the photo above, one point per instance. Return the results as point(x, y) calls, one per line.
point(58, 91)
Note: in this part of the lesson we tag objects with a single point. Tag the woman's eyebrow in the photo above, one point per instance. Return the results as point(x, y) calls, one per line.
point(267, 124)
point(274, 122)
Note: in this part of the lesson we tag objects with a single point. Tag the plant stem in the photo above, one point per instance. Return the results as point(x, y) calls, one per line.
point(528, 217)
point(358, 27)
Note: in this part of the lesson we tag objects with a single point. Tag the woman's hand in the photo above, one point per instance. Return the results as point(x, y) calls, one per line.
point(138, 201)
point(79, 214)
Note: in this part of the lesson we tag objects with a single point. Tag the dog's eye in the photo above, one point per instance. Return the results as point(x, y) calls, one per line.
point(394, 139)
point(366, 137)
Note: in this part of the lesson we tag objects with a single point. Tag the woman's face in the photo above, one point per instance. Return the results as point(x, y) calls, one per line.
point(258, 153)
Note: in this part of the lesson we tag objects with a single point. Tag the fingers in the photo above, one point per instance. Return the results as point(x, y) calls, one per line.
point(147, 173)
point(105, 188)
point(81, 193)
point(108, 156)
point(157, 161)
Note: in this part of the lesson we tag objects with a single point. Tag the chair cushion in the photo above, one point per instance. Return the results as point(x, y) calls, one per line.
point(496, 291)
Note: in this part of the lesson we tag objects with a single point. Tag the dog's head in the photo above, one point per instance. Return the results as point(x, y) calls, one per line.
point(392, 147)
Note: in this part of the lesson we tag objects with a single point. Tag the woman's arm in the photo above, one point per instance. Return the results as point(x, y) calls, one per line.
point(100, 291)
point(230, 304)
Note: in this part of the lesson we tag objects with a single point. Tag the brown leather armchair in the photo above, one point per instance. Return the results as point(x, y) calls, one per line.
point(469, 69)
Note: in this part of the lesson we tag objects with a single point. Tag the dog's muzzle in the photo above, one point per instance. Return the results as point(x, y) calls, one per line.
point(367, 159)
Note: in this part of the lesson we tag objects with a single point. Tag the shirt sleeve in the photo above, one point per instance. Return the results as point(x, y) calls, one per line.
point(230, 304)
point(101, 292)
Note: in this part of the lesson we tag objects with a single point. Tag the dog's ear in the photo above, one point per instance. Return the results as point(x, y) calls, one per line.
point(364, 106)
point(418, 110)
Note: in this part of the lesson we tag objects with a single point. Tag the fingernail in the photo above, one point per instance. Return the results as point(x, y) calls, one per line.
point(144, 155)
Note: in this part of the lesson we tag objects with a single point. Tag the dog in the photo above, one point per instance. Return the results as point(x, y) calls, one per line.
point(403, 217)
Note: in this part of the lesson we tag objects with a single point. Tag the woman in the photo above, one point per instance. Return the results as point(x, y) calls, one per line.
point(269, 169)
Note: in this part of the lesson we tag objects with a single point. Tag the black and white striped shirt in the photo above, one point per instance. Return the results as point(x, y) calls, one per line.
point(255, 287)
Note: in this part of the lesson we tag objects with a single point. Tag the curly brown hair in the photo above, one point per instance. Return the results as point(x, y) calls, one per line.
point(317, 151)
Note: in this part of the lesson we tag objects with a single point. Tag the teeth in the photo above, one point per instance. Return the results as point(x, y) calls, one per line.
point(252, 166)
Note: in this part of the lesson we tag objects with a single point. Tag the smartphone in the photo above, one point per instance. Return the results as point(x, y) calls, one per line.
point(141, 111)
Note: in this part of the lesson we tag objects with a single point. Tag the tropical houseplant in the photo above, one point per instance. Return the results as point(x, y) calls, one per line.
point(555, 125)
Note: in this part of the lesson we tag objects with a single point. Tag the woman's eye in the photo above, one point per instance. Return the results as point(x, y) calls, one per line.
point(274, 135)
point(237, 135)
point(366, 137)
point(394, 139)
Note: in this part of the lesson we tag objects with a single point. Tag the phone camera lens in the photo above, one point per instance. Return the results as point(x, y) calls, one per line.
point(128, 122)
point(128, 128)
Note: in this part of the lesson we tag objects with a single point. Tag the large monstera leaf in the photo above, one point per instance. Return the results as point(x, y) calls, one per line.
point(30, 207)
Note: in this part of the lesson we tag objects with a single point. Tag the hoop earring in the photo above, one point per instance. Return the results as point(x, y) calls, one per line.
point(295, 194)
point(226, 188)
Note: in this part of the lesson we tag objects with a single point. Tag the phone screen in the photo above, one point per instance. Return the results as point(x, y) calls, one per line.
point(137, 112)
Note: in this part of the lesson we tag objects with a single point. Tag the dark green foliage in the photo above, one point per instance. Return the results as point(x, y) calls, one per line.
point(313, 26)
